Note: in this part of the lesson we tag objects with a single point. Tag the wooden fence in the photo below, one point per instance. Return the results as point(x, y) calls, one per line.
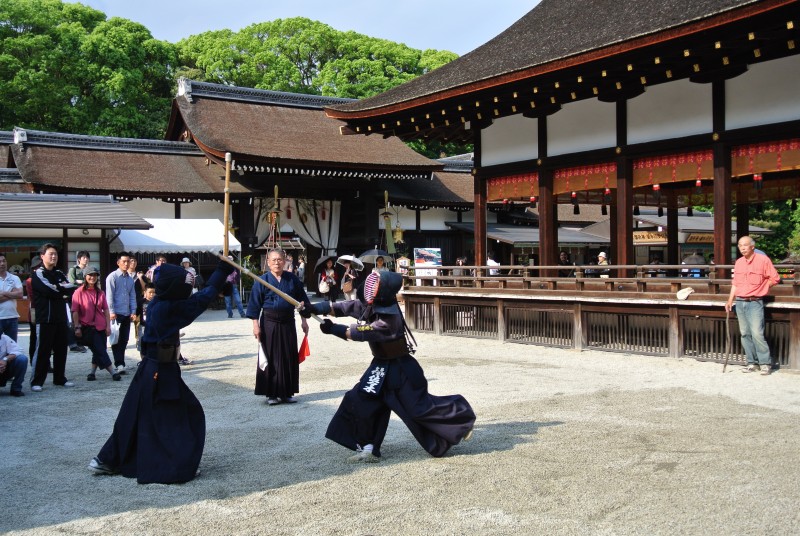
point(639, 314)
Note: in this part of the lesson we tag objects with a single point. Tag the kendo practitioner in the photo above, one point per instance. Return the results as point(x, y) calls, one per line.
point(394, 380)
point(161, 429)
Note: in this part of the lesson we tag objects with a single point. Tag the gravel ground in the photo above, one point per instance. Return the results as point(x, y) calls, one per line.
point(565, 443)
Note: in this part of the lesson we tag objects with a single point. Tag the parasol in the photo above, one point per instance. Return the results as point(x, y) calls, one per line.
point(370, 255)
point(356, 263)
point(322, 260)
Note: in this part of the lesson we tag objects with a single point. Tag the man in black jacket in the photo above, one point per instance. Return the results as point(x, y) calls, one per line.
point(51, 290)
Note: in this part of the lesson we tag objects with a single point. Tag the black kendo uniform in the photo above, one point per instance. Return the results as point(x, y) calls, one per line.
point(394, 380)
point(160, 431)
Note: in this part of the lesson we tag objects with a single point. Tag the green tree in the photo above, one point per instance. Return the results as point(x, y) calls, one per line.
point(63, 67)
point(129, 82)
point(304, 56)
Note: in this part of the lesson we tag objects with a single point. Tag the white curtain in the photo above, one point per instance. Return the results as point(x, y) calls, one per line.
point(316, 222)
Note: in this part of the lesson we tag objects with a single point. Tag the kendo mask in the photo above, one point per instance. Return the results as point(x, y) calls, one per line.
point(380, 291)
point(172, 282)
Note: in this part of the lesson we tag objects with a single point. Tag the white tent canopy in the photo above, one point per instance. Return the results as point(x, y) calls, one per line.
point(175, 236)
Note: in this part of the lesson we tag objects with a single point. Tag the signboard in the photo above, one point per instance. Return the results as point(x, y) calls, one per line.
point(700, 238)
point(426, 257)
point(649, 237)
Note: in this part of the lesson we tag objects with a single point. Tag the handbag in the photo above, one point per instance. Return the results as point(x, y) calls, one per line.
point(113, 337)
point(324, 287)
point(347, 286)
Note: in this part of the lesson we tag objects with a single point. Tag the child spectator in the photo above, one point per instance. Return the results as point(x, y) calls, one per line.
point(148, 295)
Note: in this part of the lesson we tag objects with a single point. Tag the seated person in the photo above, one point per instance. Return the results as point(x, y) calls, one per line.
point(13, 364)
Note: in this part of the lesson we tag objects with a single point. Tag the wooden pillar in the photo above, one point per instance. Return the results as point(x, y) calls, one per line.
point(480, 194)
point(623, 230)
point(742, 220)
point(722, 206)
point(548, 206)
point(673, 246)
point(579, 328)
point(501, 321)
point(548, 222)
point(177, 206)
point(722, 179)
point(675, 336)
point(794, 340)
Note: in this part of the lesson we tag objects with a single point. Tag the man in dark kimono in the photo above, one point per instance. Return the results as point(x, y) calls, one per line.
point(160, 431)
point(278, 372)
point(394, 381)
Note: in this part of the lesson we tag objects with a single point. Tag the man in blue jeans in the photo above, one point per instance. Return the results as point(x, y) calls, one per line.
point(753, 275)
point(232, 294)
point(121, 296)
point(13, 364)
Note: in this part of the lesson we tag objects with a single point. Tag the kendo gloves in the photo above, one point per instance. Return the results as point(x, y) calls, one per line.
point(329, 328)
point(321, 308)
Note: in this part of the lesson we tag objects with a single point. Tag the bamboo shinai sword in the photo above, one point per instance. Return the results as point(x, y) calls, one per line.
point(277, 291)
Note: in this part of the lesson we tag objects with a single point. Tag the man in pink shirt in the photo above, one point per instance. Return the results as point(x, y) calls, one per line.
point(753, 275)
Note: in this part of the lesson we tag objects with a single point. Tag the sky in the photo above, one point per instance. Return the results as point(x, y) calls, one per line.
point(455, 25)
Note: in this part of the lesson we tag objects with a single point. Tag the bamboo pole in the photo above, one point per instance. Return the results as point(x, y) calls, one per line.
point(227, 211)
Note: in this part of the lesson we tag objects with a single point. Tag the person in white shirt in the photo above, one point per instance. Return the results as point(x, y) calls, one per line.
point(491, 262)
point(10, 292)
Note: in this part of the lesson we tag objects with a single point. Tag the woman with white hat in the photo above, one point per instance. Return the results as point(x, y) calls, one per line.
point(602, 260)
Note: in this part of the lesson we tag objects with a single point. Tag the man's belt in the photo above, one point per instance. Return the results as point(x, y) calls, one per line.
point(751, 298)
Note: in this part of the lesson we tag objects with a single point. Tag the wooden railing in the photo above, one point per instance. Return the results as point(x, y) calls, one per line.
point(636, 313)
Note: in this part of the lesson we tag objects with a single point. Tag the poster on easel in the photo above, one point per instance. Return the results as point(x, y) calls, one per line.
point(425, 262)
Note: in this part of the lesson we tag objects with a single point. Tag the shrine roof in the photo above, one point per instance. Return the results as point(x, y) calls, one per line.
point(554, 34)
point(122, 166)
point(269, 127)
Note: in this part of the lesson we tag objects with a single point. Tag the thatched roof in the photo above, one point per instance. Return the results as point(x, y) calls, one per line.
point(283, 129)
point(57, 162)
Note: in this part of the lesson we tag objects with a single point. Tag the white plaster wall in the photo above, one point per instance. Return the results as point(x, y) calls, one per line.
point(768, 92)
point(510, 139)
point(582, 126)
point(670, 110)
point(153, 208)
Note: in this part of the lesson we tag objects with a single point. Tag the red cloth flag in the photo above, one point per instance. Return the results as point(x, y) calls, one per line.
point(305, 351)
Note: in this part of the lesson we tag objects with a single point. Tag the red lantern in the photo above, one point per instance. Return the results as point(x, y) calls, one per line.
point(698, 184)
point(758, 181)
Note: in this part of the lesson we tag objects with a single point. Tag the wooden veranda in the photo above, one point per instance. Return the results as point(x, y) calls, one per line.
point(640, 314)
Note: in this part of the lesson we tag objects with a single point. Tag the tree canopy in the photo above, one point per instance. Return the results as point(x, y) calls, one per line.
point(304, 56)
point(64, 67)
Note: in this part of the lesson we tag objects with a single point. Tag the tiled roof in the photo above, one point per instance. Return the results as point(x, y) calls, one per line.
point(282, 129)
point(68, 162)
point(553, 31)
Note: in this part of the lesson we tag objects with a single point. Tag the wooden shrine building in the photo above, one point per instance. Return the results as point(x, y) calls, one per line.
point(663, 104)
